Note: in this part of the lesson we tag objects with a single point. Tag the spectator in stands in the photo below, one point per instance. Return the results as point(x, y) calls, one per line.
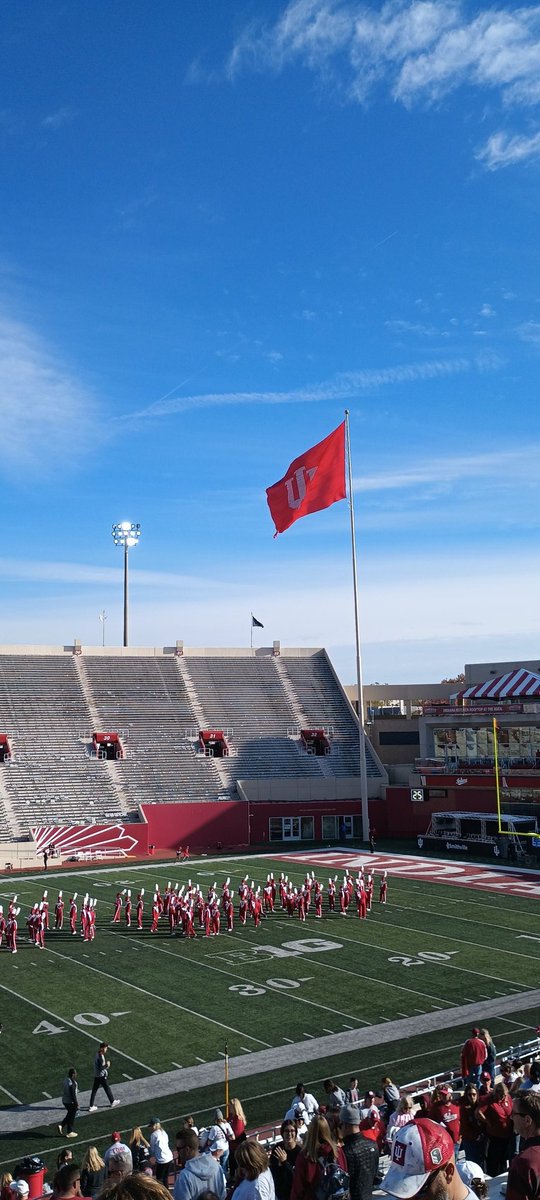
point(63, 1157)
point(443, 1110)
point(335, 1096)
point(5, 1179)
point(117, 1146)
point(253, 1172)
point(533, 1078)
point(473, 1176)
point(67, 1182)
point(473, 1056)
point(217, 1140)
point(373, 1126)
point(491, 1054)
point(403, 1114)
point(189, 1123)
point(309, 1102)
point(160, 1150)
point(472, 1136)
point(238, 1123)
point(509, 1072)
point(200, 1172)
point(423, 1163)
point(92, 1172)
point(362, 1154)
point(140, 1149)
point(283, 1159)
point(19, 1189)
point(319, 1145)
point(135, 1187)
point(390, 1095)
point(422, 1104)
point(298, 1114)
point(120, 1164)
point(524, 1173)
point(484, 1087)
point(352, 1095)
point(496, 1117)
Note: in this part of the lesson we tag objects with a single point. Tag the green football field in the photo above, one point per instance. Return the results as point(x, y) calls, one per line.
point(164, 1003)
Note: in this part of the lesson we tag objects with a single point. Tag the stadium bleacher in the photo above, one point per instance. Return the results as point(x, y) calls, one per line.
point(52, 703)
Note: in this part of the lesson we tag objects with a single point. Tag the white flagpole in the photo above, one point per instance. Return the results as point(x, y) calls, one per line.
point(251, 633)
point(360, 686)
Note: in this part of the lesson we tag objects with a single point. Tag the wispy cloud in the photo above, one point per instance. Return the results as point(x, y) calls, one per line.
point(418, 51)
point(347, 386)
point(21, 570)
point(44, 410)
point(523, 460)
point(62, 116)
point(505, 149)
point(530, 332)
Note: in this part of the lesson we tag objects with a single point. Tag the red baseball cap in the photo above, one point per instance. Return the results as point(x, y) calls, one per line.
point(419, 1149)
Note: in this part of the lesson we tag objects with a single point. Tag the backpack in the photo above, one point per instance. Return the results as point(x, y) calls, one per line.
point(333, 1181)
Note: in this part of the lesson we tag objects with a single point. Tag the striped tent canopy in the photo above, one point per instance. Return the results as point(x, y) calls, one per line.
point(515, 683)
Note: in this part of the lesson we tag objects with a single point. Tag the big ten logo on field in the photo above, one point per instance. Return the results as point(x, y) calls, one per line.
point(294, 949)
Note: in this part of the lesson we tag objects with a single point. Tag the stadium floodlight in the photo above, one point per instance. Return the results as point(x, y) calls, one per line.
point(126, 534)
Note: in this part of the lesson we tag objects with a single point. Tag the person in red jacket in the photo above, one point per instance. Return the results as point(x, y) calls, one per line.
point(496, 1118)
point(443, 1110)
point(473, 1055)
point(318, 1144)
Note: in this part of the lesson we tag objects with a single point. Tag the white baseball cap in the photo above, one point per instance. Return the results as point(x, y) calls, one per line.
point(19, 1187)
point(470, 1172)
point(419, 1149)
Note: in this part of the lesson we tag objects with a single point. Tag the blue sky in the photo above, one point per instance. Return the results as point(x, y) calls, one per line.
point(221, 224)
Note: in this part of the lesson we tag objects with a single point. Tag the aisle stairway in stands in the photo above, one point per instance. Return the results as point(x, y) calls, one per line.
point(301, 719)
point(145, 701)
point(50, 779)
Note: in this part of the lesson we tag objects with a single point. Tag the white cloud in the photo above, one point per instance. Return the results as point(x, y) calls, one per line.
point(504, 149)
point(418, 48)
point(530, 332)
point(524, 459)
point(487, 310)
point(346, 386)
point(418, 51)
point(45, 412)
point(62, 116)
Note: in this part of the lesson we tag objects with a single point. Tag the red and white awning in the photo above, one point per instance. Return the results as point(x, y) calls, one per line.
point(515, 683)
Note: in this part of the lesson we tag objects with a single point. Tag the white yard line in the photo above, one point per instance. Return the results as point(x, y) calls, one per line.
point(10, 1094)
point(245, 979)
point(161, 999)
point(443, 966)
point(450, 938)
point(77, 1028)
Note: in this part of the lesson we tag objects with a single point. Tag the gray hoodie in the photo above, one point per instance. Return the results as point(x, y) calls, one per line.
point(200, 1174)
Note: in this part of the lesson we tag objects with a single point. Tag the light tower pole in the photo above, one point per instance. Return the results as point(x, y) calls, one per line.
point(126, 534)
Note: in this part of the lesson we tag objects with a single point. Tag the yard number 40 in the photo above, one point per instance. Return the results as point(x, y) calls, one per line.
point(89, 1018)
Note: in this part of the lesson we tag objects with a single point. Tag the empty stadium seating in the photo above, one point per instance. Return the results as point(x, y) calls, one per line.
point(51, 704)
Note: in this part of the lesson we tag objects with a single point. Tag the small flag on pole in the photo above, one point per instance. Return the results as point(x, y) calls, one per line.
point(313, 481)
point(255, 624)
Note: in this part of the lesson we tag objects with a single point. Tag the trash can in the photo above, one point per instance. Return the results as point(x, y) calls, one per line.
point(33, 1169)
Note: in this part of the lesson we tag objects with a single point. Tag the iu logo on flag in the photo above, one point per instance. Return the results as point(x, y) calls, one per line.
point(313, 481)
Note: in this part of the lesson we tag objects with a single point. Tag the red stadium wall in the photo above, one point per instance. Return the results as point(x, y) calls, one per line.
point(260, 814)
point(223, 824)
point(401, 817)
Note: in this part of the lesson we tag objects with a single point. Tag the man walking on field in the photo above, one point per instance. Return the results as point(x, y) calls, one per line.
point(101, 1072)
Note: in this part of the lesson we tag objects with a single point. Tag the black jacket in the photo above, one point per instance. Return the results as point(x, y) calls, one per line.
point(362, 1161)
point(282, 1173)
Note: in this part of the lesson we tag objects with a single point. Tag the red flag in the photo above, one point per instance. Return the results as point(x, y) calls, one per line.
point(313, 481)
